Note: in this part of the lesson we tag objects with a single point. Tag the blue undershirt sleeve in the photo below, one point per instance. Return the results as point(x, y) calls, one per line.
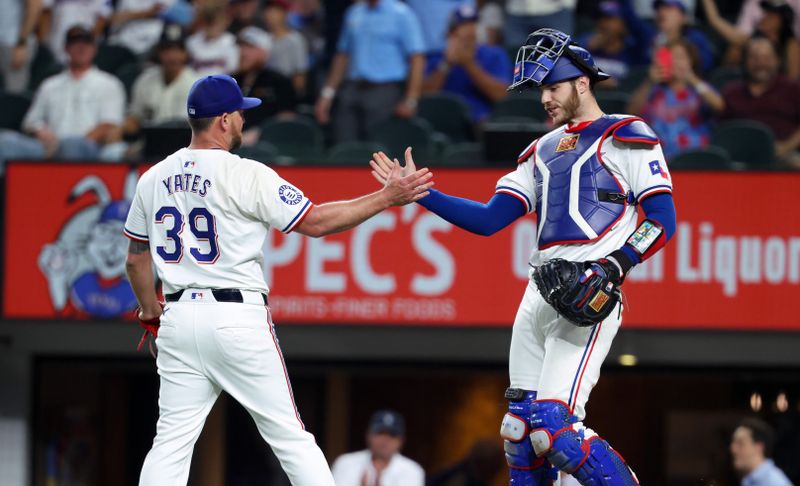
point(479, 218)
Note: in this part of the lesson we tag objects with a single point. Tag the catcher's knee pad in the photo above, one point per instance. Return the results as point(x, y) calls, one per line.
point(525, 469)
point(592, 462)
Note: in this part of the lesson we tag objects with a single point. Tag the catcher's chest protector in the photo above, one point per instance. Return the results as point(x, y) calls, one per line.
point(577, 198)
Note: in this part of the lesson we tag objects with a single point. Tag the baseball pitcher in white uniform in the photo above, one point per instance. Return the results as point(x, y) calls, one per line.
point(201, 216)
point(588, 182)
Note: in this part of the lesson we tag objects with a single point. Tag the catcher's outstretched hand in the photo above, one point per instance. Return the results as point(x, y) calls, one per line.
point(382, 165)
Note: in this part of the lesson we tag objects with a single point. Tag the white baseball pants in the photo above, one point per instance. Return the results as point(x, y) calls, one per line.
point(205, 347)
point(554, 357)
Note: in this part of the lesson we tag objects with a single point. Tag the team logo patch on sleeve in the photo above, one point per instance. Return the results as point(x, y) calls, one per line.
point(568, 143)
point(655, 169)
point(290, 195)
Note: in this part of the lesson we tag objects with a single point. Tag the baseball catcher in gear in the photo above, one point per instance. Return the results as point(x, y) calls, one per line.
point(583, 292)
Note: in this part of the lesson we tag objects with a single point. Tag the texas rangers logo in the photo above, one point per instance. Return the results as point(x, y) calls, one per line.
point(655, 169)
point(568, 143)
point(85, 265)
point(290, 195)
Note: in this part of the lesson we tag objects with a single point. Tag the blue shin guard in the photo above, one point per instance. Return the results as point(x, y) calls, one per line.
point(525, 469)
point(592, 462)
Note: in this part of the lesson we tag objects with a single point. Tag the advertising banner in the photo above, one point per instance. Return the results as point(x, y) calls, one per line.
point(734, 262)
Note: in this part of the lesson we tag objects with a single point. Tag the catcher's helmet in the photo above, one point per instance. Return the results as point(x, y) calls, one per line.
point(550, 56)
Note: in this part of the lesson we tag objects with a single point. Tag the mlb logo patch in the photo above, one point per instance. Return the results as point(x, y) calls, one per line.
point(568, 143)
point(197, 295)
point(188, 164)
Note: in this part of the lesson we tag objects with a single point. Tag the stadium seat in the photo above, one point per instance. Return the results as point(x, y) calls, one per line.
point(299, 138)
point(463, 154)
point(723, 75)
point(353, 153)
point(111, 57)
point(503, 141)
point(526, 104)
point(612, 102)
point(707, 158)
point(448, 114)
point(746, 141)
point(397, 133)
point(128, 74)
point(263, 152)
point(14, 107)
point(43, 66)
point(165, 138)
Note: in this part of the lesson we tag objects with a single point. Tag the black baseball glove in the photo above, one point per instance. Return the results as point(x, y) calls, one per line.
point(583, 292)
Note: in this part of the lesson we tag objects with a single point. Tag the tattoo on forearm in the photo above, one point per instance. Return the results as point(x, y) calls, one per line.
point(138, 247)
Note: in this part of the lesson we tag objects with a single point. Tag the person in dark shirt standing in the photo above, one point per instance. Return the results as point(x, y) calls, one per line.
point(256, 80)
point(769, 97)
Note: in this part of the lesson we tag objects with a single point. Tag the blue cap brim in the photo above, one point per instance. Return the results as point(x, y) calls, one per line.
point(248, 103)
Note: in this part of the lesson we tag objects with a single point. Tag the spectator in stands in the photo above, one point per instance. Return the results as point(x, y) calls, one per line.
point(751, 450)
point(776, 24)
point(526, 16)
point(434, 19)
point(212, 49)
point(244, 13)
point(475, 72)
point(159, 93)
point(614, 46)
point(675, 101)
point(258, 81)
point(136, 24)
point(490, 22)
point(76, 114)
point(289, 50)
point(59, 16)
point(380, 51)
point(17, 44)
point(308, 18)
point(381, 463)
point(752, 12)
point(767, 96)
point(672, 25)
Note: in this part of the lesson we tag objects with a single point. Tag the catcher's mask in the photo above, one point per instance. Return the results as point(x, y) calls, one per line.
point(550, 56)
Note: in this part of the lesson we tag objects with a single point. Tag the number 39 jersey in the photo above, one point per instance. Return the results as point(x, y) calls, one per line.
point(205, 215)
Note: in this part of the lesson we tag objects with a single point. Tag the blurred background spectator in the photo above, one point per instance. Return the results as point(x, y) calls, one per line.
point(434, 18)
point(136, 24)
point(212, 48)
point(525, 16)
point(381, 463)
point(159, 93)
point(308, 18)
point(76, 114)
point(257, 80)
point(776, 23)
point(477, 73)
point(380, 58)
point(59, 16)
point(17, 42)
point(752, 12)
point(751, 449)
point(672, 24)
point(244, 13)
point(617, 42)
point(768, 97)
point(289, 50)
point(675, 101)
point(490, 22)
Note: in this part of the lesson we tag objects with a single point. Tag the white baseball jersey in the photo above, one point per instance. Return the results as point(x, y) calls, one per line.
point(205, 214)
point(639, 170)
point(213, 56)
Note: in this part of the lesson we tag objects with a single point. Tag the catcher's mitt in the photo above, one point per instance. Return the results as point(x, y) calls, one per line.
point(583, 292)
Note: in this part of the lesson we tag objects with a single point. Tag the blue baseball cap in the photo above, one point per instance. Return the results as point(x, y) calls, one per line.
point(387, 422)
point(217, 94)
point(609, 9)
point(462, 15)
point(669, 3)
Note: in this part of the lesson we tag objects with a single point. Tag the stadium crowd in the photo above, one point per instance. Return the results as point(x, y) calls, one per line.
point(108, 79)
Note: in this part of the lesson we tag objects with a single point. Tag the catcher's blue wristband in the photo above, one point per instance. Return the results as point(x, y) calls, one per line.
point(482, 219)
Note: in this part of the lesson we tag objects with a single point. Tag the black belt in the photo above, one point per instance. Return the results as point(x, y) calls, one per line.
point(220, 295)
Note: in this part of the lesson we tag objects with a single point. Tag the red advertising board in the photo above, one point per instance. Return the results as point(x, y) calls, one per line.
point(734, 262)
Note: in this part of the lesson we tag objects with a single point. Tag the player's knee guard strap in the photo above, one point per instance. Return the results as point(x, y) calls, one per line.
point(515, 429)
point(592, 462)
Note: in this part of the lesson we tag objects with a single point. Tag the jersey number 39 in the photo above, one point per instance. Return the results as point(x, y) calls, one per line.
point(197, 216)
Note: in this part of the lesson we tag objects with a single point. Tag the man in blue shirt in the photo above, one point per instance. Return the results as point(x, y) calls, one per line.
point(380, 58)
point(477, 73)
point(751, 448)
point(434, 17)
